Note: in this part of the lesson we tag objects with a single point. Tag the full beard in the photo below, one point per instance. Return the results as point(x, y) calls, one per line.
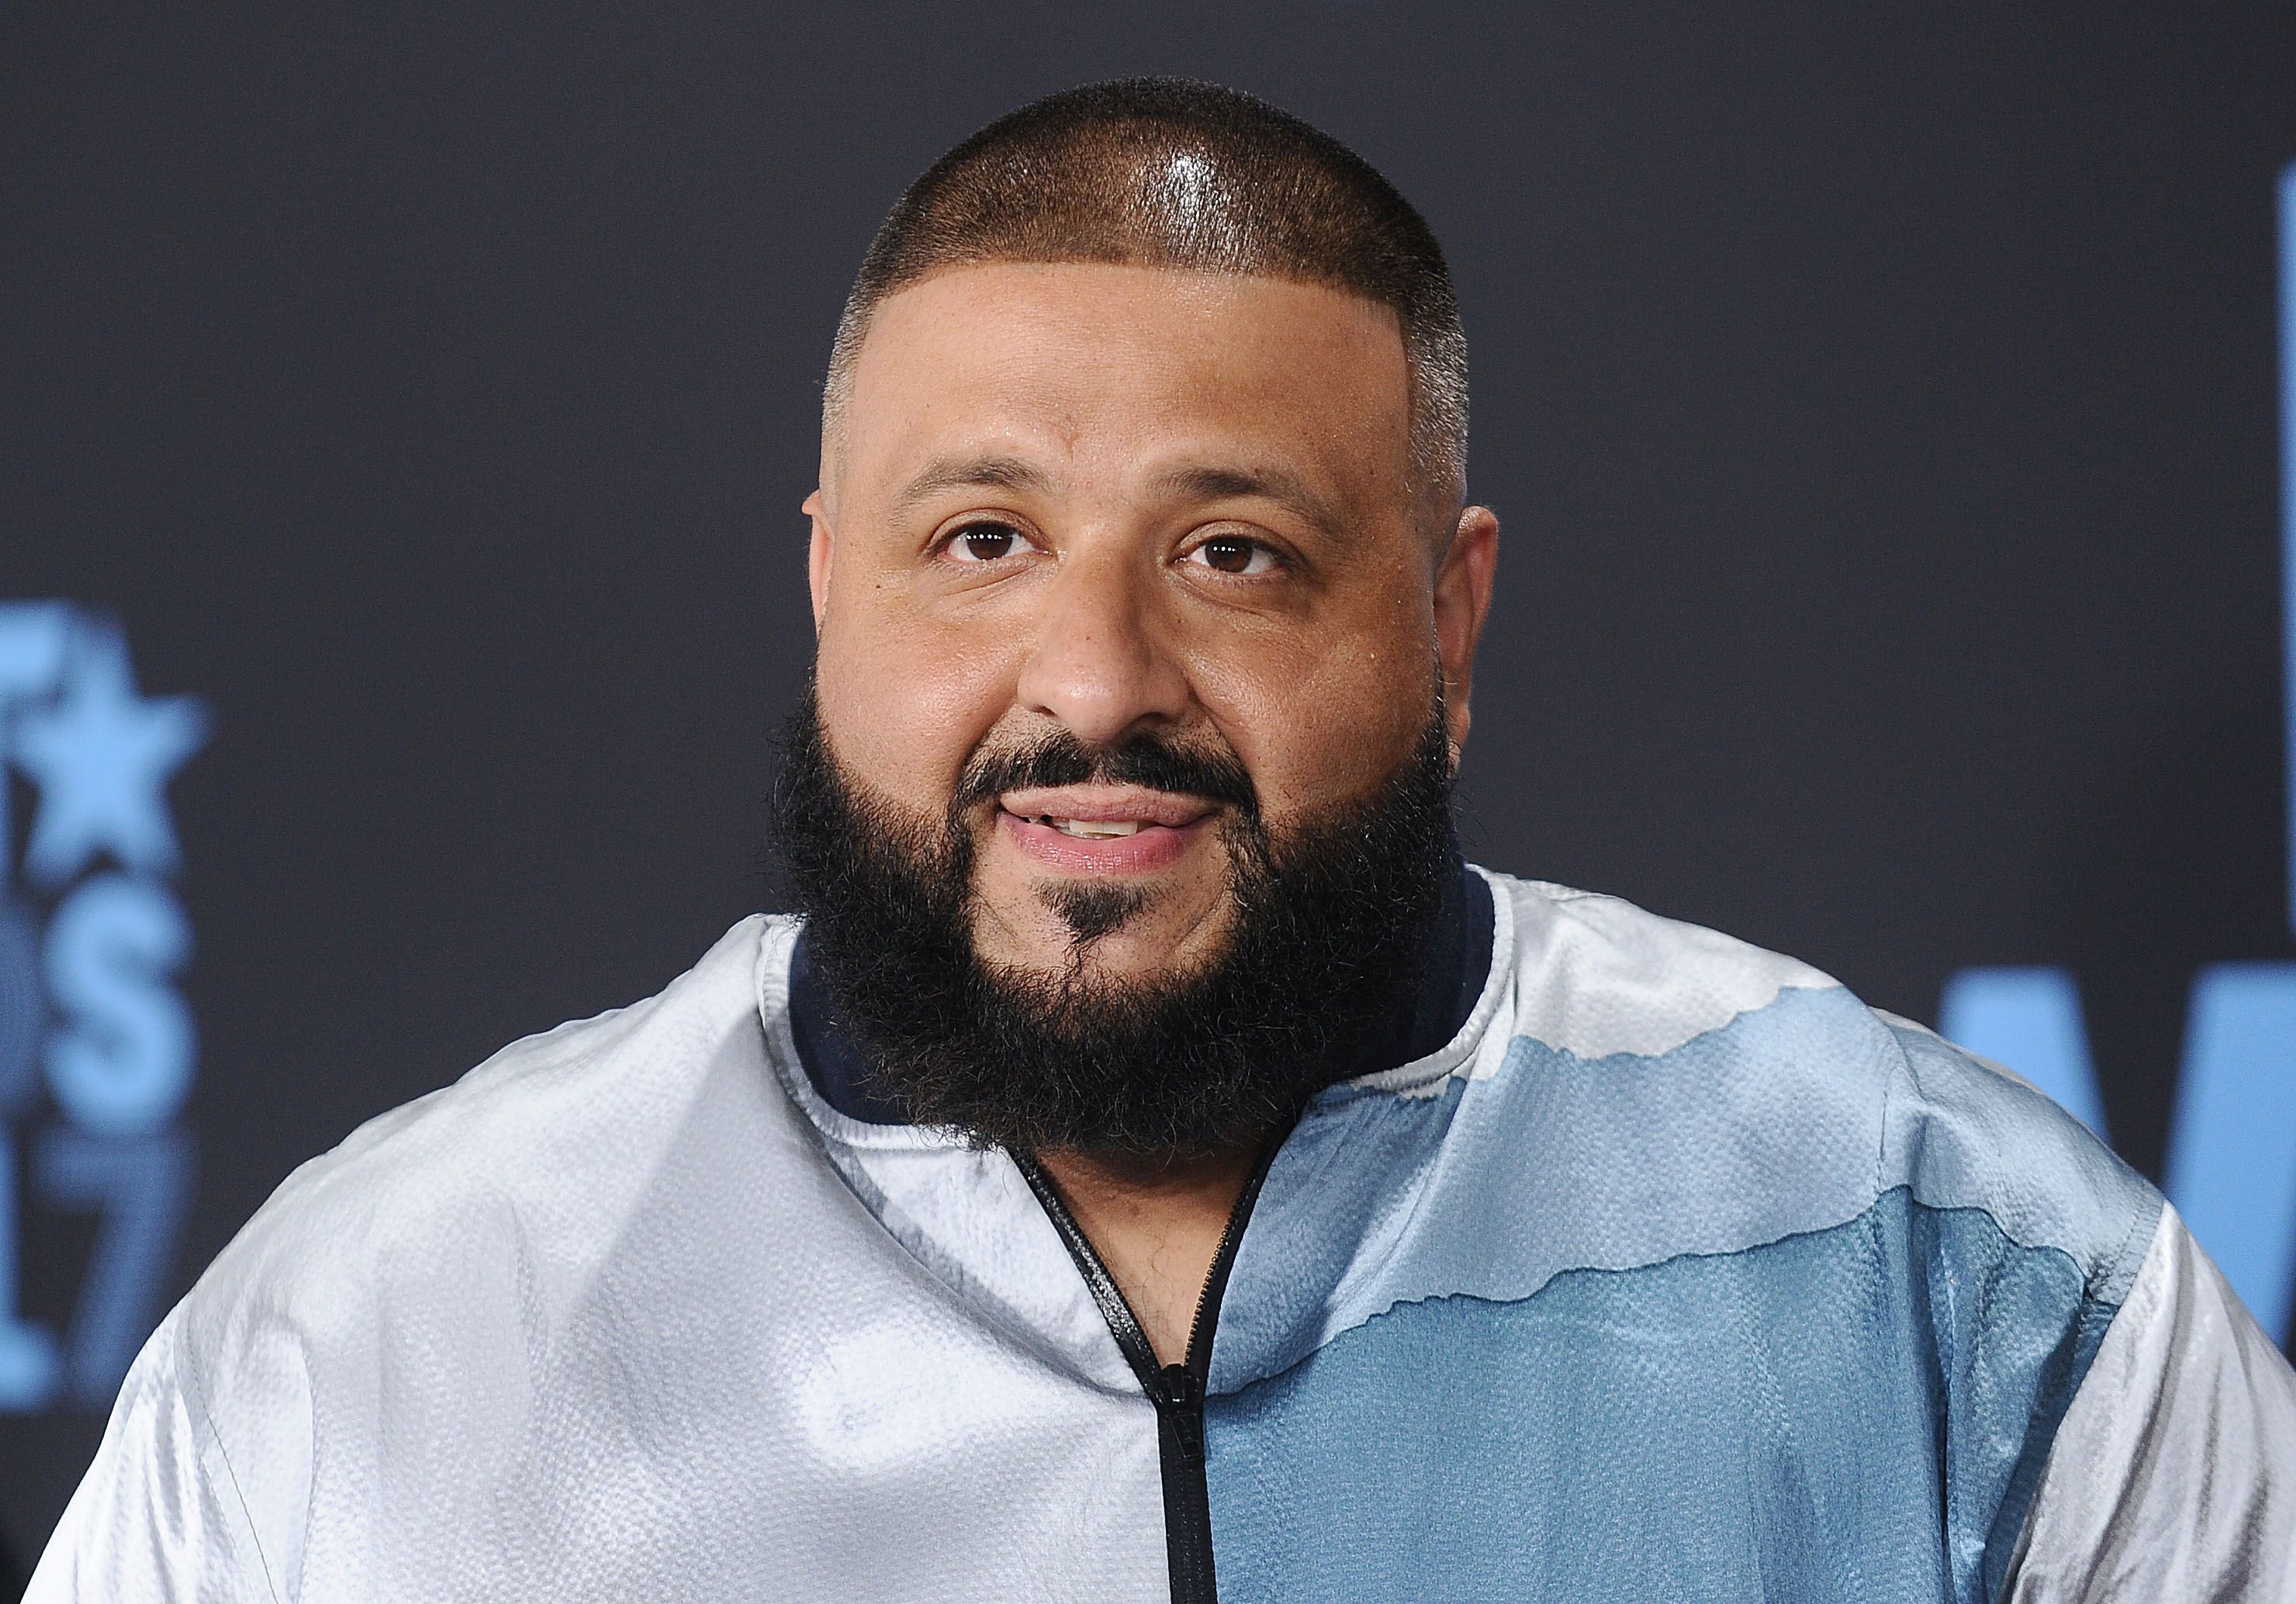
point(1327, 928)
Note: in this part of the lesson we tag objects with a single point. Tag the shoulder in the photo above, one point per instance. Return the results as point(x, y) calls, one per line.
point(2186, 1392)
point(1596, 975)
point(389, 1322)
point(524, 1165)
point(1758, 1078)
point(161, 1469)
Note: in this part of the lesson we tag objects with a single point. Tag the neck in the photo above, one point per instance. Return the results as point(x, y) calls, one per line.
point(1157, 1227)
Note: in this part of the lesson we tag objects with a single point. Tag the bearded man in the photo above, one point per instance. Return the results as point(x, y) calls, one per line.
point(1154, 1164)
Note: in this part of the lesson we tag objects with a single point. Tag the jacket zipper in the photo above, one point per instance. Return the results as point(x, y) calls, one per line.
point(1176, 1390)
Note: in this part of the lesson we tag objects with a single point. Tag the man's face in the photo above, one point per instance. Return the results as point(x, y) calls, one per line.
point(1107, 502)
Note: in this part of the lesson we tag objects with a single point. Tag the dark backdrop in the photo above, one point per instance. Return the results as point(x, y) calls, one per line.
point(1880, 406)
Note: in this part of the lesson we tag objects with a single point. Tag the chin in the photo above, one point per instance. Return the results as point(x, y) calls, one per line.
point(1126, 957)
point(1112, 942)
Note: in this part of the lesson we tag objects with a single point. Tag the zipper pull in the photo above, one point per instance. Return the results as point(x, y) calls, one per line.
point(1181, 1393)
point(1180, 1388)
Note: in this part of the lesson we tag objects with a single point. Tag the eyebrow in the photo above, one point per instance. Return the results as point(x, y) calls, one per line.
point(969, 474)
point(1198, 482)
point(1280, 486)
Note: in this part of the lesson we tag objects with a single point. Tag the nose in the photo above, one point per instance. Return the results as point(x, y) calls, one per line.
point(1102, 663)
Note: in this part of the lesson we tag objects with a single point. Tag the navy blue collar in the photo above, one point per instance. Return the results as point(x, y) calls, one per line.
point(1422, 1021)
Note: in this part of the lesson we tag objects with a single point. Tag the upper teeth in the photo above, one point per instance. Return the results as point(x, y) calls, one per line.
point(1095, 827)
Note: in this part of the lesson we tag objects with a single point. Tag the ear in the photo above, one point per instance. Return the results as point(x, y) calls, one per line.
point(1462, 598)
point(816, 556)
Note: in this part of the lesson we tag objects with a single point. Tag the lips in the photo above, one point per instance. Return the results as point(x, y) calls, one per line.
point(1091, 809)
point(1102, 829)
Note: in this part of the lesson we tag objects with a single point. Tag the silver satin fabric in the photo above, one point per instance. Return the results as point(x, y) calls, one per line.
point(599, 1322)
point(2173, 1474)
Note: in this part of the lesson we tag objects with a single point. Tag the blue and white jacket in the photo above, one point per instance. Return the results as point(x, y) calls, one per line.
point(1677, 1273)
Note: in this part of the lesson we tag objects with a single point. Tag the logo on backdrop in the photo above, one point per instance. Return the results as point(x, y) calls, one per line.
point(96, 1044)
point(2232, 1148)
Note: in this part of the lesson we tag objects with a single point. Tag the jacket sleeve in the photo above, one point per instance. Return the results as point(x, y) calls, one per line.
point(2173, 1474)
point(160, 1516)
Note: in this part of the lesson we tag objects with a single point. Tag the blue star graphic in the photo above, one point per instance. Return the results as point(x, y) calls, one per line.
point(101, 756)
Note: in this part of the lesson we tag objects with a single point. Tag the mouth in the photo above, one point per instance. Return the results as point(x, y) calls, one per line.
point(1102, 829)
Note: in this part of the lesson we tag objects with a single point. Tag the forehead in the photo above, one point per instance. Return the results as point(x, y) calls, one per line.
point(1109, 366)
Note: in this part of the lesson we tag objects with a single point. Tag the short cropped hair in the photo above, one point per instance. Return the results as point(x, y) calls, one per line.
point(1159, 172)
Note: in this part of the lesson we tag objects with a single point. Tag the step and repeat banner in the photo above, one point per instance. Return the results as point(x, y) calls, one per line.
point(1892, 423)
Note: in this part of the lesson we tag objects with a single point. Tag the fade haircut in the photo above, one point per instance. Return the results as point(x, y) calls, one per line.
point(1158, 172)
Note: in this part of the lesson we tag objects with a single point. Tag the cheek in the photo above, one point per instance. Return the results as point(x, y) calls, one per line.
point(1323, 723)
point(902, 712)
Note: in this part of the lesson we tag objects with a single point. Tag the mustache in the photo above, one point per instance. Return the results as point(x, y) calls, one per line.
point(1142, 758)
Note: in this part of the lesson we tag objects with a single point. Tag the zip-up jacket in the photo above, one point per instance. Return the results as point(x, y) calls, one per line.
point(1674, 1274)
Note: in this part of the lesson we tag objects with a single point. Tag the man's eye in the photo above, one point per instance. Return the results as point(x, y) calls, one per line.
point(1234, 555)
point(985, 542)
